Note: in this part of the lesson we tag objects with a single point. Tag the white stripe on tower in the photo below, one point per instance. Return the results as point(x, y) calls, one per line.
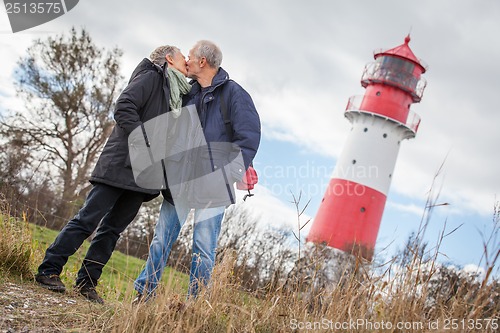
point(360, 162)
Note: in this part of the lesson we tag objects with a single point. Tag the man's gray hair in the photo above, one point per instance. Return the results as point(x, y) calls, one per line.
point(211, 52)
point(159, 54)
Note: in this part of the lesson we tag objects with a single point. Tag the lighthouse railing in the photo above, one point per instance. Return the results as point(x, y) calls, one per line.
point(375, 73)
point(411, 122)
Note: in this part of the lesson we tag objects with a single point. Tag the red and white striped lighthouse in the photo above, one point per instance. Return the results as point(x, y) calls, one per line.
point(351, 210)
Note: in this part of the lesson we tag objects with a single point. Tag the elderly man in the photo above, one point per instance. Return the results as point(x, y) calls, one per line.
point(115, 197)
point(227, 115)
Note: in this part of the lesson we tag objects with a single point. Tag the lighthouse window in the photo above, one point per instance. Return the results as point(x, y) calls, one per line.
point(397, 71)
point(353, 161)
point(365, 130)
point(362, 210)
point(378, 93)
point(396, 63)
point(385, 135)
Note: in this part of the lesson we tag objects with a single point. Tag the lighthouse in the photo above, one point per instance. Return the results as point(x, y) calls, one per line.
point(349, 215)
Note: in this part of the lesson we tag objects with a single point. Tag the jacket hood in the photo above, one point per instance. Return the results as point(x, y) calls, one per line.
point(219, 78)
point(145, 65)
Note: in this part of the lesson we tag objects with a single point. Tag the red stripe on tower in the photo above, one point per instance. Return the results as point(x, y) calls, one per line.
point(351, 211)
point(345, 202)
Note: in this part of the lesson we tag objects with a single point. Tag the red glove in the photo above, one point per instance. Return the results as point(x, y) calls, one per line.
point(249, 180)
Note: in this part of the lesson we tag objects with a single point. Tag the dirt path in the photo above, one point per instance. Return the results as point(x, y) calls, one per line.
point(26, 307)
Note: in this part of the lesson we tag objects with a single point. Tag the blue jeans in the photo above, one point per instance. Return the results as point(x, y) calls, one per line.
point(207, 225)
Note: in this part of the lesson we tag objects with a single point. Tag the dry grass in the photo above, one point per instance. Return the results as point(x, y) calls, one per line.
point(418, 296)
point(16, 252)
point(357, 304)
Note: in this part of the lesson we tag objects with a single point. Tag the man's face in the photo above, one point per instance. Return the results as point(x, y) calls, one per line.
point(179, 62)
point(193, 66)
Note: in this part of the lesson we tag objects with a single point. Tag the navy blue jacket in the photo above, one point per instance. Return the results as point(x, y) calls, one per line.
point(245, 120)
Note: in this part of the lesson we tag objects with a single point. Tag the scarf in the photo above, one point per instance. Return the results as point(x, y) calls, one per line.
point(178, 87)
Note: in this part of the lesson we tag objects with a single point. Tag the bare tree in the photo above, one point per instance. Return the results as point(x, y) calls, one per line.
point(68, 85)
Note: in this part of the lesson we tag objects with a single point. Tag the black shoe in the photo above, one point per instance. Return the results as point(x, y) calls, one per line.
point(91, 294)
point(51, 282)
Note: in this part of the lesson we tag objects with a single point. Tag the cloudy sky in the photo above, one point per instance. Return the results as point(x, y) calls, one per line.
point(301, 61)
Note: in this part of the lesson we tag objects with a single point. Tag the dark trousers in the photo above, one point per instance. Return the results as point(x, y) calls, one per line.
point(115, 208)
